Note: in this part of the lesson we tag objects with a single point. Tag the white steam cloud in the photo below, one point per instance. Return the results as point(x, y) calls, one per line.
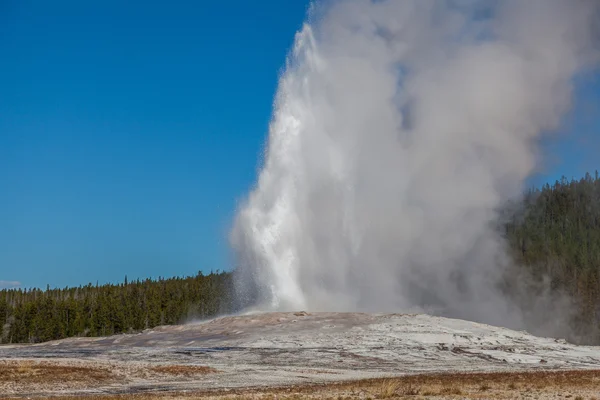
point(400, 127)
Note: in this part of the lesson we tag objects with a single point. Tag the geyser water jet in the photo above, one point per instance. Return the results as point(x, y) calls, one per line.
point(399, 129)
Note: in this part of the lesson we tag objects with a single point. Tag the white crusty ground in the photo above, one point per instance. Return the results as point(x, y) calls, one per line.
point(275, 349)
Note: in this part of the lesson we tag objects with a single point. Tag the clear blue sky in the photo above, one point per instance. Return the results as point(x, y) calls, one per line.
point(575, 148)
point(129, 129)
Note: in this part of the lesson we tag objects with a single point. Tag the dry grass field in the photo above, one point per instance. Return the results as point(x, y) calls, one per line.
point(539, 385)
point(30, 372)
point(39, 376)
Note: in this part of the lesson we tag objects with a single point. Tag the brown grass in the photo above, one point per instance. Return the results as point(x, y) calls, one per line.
point(484, 387)
point(450, 390)
point(389, 388)
point(29, 372)
point(575, 385)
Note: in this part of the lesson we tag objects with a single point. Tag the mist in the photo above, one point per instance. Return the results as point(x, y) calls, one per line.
point(399, 130)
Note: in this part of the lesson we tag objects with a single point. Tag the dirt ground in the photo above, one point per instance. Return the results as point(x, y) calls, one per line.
point(538, 385)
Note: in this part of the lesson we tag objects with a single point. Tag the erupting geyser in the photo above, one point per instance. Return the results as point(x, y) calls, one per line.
point(399, 129)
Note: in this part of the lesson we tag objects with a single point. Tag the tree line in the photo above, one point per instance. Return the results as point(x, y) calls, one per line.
point(554, 241)
point(34, 315)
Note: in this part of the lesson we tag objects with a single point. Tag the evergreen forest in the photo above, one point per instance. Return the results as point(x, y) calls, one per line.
point(31, 316)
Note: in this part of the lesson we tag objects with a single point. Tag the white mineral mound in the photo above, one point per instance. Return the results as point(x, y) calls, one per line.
point(284, 348)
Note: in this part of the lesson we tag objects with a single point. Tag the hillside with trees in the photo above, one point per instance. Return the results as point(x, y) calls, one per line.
point(553, 236)
point(31, 316)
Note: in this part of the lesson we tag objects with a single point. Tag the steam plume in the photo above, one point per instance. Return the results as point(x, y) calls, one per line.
point(399, 129)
